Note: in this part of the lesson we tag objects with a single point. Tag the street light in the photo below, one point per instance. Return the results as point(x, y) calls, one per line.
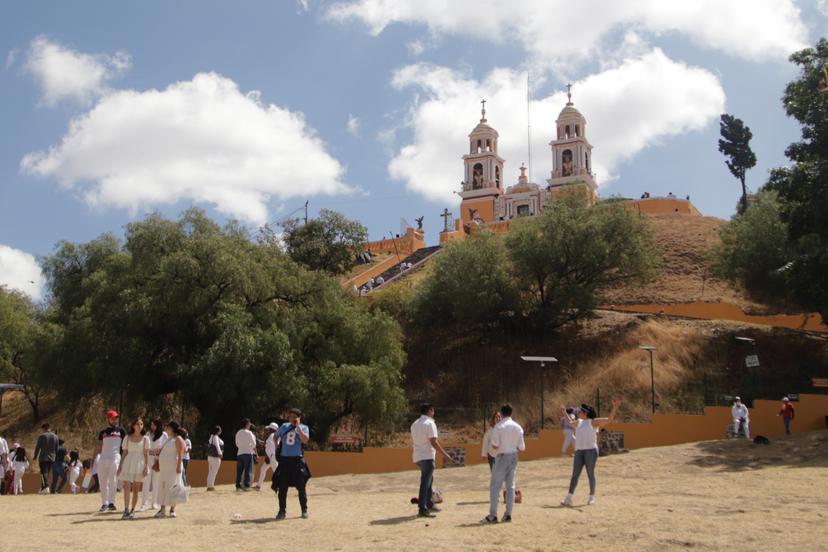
point(650, 349)
point(542, 360)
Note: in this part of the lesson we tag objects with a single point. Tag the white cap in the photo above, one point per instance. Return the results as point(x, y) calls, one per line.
point(738, 398)
point(785, 399)
point(273, 425)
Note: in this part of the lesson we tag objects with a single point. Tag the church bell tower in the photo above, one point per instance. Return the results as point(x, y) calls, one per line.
point(572, 153)
point(483, 176)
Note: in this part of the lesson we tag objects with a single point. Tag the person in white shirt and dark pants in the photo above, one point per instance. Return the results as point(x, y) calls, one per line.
point(741, 416)
point(506, 440)
point(425, 444)
point(245, 452)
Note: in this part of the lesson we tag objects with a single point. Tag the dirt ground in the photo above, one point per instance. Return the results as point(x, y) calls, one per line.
point(705, 496)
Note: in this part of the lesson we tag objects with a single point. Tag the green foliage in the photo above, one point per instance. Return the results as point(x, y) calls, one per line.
point(569, 255)
point(754, 250)
point(735, 145)
point(232, 325)
point(330, 243)
point(470, 286)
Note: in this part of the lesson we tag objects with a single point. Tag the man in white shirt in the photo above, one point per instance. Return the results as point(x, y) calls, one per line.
point(741, 416)
point(425, 444)
point(507, 440)
point(4, 462)
point(270, 455)
point(245, 451)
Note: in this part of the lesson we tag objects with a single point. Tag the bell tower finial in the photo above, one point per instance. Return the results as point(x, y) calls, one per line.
point(568, 94)
point(483, 111)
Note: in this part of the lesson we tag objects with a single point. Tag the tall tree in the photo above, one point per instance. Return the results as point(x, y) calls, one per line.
point(330, 243)
point(735, 145)
point(21, 338)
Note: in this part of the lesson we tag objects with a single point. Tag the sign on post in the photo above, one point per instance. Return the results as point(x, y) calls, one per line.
point(345, 440)
point(751, 361)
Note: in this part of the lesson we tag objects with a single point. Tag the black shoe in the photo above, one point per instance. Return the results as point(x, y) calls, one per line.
point(280, 516)
point(112, 508)
point(506, 519)
point(425, 514)
point(489, 519)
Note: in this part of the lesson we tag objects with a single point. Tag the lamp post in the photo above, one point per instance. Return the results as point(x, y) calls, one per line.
point(650, 349)
point(542, 361)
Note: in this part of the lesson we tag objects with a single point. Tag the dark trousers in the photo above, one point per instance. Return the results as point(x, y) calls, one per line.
point(244, 470)
point(184, 463)
point(787, 425)
point(96, 484)
point(45, 469)
point(426, 481)
point(58, 474)
point(288, 477)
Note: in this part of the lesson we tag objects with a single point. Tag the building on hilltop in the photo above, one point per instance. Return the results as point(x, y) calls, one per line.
point(485, 200)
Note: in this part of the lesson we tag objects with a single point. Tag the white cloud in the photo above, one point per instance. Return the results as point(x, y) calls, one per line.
point(11, 57)
point(628, 108)
point(19, 270)
point(201, 140)
point(63, 73)
point(353, 125)
point(416, 47)
point(561, 33)
point(303, 5)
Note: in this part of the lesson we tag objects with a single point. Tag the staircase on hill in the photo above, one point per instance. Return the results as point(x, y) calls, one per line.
point(417, 260)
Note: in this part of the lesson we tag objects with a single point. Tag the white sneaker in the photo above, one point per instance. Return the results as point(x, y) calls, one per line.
point(143, 508)
point(567, 501)
point(591, 500)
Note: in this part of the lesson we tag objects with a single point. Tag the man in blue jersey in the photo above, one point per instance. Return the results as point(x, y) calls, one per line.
point(292, 470)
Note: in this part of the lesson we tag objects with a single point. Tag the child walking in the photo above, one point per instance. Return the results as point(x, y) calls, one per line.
point(74, 469)
point(20, 462)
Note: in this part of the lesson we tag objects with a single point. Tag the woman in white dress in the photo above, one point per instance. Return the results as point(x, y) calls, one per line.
point(134, 465)
point(171, 467)
point(157, 438)
point(215, 449)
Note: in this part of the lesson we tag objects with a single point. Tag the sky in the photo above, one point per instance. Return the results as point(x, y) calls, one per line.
point(111, 111)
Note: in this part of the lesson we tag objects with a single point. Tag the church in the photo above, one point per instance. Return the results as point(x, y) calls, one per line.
point(486, 200)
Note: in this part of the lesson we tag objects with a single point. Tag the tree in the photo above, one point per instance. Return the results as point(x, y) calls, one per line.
point(802, 187)
point(470, 286)
point(566, 257)
point(230, 324)
point(330, 243)
point(735, 145)
point(754, 251)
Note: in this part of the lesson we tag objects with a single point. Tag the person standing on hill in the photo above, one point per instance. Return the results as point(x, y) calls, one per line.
point(109, 448)
point(586, 446)
point(425, 444)
point(45, 449)
point(270, 462)
point(507, 440)
point(741, 418)
point(245, 451)
point(291, 471)
point(787, 413)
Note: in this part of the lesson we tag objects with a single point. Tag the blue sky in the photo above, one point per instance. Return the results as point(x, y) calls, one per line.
point(112, 110)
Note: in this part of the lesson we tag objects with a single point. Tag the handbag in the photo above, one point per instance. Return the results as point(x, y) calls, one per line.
point(178, 493)
point(156, 465)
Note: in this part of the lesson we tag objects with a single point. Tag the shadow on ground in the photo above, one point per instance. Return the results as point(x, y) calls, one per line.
point(796, 451)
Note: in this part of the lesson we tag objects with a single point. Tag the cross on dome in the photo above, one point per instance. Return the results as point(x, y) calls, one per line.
point(568, 94)
point(522, 170)
point(483, 111)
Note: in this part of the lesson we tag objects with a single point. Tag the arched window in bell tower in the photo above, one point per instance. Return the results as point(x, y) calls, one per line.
point(479, 146)
point(477, 176)
point(586, 162)
point(566, 163)
point(488, 145)
point(577, 130)
point(497, 177)
point(566, 132)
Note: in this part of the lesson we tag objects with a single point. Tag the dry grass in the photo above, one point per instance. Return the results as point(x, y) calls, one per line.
point(705, 496)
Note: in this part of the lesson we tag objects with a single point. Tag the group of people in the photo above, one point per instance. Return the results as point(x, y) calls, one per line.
point(502, 443)
point(741, 417)
point(53, 460)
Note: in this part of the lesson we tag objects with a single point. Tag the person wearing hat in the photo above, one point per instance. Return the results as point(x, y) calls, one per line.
point(109, 447)
point(270, 461)
point(586, 429)
point(787, 413)
point(741, 418)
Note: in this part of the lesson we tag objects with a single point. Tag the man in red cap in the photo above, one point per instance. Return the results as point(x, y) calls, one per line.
point(110, 450)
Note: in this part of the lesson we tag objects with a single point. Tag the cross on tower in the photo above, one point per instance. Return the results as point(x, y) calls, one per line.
point(483, 111)
point(445, 214)
point(569, 94)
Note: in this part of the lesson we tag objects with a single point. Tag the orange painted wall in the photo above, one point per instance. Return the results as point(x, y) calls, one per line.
point(727, 311)
point(362, 278)
point(407, 244)
point(663, 430)
point(663, 205)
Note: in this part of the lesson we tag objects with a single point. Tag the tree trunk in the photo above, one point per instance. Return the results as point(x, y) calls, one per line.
point(744, 195)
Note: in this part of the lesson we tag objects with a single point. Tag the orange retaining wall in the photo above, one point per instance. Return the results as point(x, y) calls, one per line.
point(362, 278)
point(726, 311)
point(663, 430)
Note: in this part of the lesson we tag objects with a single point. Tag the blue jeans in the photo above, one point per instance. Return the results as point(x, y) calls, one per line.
point(787, 425)
point(244, 470)
point(503, 473)
point(583, 458)
point(426, 481)
point(184, 463)
point(58, 474)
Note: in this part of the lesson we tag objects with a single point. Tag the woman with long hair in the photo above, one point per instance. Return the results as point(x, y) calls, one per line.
point(215, 449)
point(586, 426)
point(134, 466)
point(157, 438)
point(171, 468)
point(487, 451)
